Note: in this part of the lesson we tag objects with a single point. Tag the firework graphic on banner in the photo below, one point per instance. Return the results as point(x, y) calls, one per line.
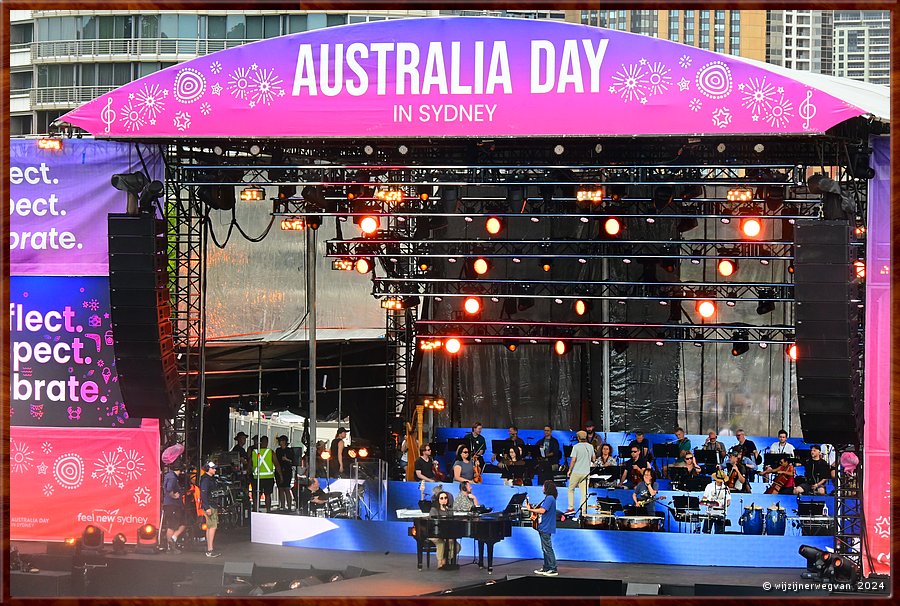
point(133, 121)
point(780, 113)
point(264, 87)
point(189, 85)
point(759, 95)
point(150, 101)
point(20, 457)
point(659, 78)
point(68, 471)
point(108, 470)
point(630, 83)
point(239, 83)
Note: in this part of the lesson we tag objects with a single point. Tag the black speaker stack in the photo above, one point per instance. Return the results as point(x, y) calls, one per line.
point(141, 315)
point(827, 319)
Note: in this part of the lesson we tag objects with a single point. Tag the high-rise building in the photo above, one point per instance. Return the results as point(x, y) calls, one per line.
point(800, 40)
point(62, 59)
point(862, 45)
point(741, 32)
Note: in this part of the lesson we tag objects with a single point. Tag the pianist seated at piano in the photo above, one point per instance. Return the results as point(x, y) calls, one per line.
point(465, 500)
point(446, 548)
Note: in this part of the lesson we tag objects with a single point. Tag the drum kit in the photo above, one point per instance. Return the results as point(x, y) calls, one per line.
point(337, 505)
point(772, 523)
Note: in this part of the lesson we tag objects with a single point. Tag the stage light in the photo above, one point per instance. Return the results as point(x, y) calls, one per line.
point(70, 541)
point(204, 526)
point(430, 344)
point(859, 268)
point(398, 303)
point(325, 455)
point(147, 536)
point(612, 226)
point(351, 452)
point(790, 268)
point(92, 537)
point(791, 351)
point(391, 303)
point(369, 224)
point(253, 194)
point(293, 224)
point(255, 149)
point(559, 150)
point(817, 560)
point(766, 304)
point(545, 263)
point(363, 265)
point(739, 343)
point(424, 192)
point(739, 194)
point(425, 264)
point(357, 192)
point(751, 227)
point(342, 265)
point(581, 307)
point(453, 346)
point(593, 194)
point(364, 452)
point(732, 297)
point(481, 266)
point(368, 150)
point(118, 544)
point(493, 225)
point(389, 194)
point(218, 197)
point(706, 309)
point(403, 150)
point(560, 347)
point(286, 191)
point(50, 144)
point(759, 148)
point(510, 344)
point(472, 305)
point(727, 267)
point(669, 264)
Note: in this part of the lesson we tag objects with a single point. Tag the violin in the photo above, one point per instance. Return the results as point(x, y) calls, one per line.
point(438, 474)
point(477, 477)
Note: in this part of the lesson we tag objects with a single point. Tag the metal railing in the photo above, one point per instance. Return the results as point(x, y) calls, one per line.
point(67, 95)
point(120, 47)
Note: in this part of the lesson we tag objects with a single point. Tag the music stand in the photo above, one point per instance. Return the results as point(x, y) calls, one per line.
point(515, 503)
point(453, 445)
point(772, 459)
point(608, 475)
point(810, 508)
point(608, 505)
point(532, 450)
point(500, 447)
point(665, 451)
point(801, 455)
point(624, 452)
point(707, 458)
point(567, 451)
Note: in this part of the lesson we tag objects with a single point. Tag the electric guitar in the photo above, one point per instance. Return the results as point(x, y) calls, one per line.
point(535, 517)
point(650, 500)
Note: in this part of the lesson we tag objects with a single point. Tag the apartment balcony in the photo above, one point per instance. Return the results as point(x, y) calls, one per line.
point(20, 55)
point(19, 101)
point(63, 97)
point(144, 49)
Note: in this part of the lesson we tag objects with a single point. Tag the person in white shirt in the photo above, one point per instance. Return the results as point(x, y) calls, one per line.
point(782, 446)
point(717, 498)
point(579, 469)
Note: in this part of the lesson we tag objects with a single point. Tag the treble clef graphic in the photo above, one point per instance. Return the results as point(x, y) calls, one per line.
point(807, 110)
point(108, 115)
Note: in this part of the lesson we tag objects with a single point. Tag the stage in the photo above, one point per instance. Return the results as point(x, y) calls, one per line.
point(386, 573)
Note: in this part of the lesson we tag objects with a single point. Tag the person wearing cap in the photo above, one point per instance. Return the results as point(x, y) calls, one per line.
point(207, 483)
point(579, 469)
point(284, 473)
point(340, 468)
point(173, 505)
point(717, 498)
point(593, 438)
point(240, 449)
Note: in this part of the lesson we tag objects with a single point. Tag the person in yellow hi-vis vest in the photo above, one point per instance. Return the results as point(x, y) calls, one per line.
point(263, 465)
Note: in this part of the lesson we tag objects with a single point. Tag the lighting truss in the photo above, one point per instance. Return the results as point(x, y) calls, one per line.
point(602, 331)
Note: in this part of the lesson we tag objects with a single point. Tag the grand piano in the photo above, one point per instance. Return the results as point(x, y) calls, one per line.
point(486, 529)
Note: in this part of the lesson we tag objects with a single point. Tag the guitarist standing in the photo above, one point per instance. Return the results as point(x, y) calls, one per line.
point(544, 520)
point(644, 494)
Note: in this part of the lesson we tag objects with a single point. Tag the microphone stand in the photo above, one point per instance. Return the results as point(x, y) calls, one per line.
point(583, 503)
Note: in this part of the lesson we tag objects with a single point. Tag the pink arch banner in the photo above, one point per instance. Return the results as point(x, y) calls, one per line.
point(461, 77)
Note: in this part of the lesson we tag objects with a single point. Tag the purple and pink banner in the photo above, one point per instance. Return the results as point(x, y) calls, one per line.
point(460, 77)
point(877, 439)
point(59, 201)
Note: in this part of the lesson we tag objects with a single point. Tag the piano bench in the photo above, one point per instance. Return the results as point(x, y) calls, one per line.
point(428, 547)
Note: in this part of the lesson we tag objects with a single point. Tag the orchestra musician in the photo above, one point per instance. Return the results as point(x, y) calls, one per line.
point(465, 501)
point(782, 446)
point(684, 449)
point(748, 452)
point(737, 474)
point(424, 464)
point(514, 437)
point(582, 458)
point(643, 445)
point(783, 483)
point(633, 468)
point(550, 455)
point(512, 467)
point(463, 467)
point(606, 458)
point(477, 443)
point(312, 497)
point(446, 548)
point(712, 443)
point(717, 498)
point(643, 493)
point(593, 438)
point(817, 473)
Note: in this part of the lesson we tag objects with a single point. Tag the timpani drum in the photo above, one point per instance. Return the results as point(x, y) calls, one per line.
point(598, 521)
point(639, 523)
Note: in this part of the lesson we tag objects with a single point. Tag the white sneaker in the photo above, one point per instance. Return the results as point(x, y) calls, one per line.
point(539, 571)
point(550, 573)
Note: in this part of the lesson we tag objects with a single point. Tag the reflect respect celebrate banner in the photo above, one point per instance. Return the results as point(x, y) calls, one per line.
point(461, 77)
point(64, 479)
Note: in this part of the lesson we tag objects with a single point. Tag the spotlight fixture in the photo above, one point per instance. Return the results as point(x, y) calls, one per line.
point(732, 297)
point(510, 344)
point(559, 150)
point(739, 194)
point(147, 536)
point(589, 193)
point(472, 305)
point(342, 265)
point(791, 351)
point(453, 345)
point(403, 150)
point(389, 194)
point(560, 347)
point(766, 304)
point(859, 269)
point(368, 150)
point(92, 538)
point(293, 224)
point(581, 307)
point(325, 455)
point(612, 226)
point(286, 192)
point(425, 264)
point(369, 224)
point(433, 402)
point(255, 149)
point(705, 308)
point(751, 227)
point(424, 192)
point(363, 265)
point(358, 192)
point(493, 225)
point(546, 263)
point(364, 452)
point(351, 452)
point(727, 267)
point(430, 344)
point(477, 267)
point(398, 303)
point(253, 194)
point(739, 343)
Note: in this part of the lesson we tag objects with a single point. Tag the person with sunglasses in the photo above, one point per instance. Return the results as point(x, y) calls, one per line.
point(633, 468)
point(446, 548)
point(424, 464)
point(463, 467)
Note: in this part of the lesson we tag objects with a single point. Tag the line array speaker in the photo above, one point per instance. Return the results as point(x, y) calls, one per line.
point(141, 315)
point(827, 333)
